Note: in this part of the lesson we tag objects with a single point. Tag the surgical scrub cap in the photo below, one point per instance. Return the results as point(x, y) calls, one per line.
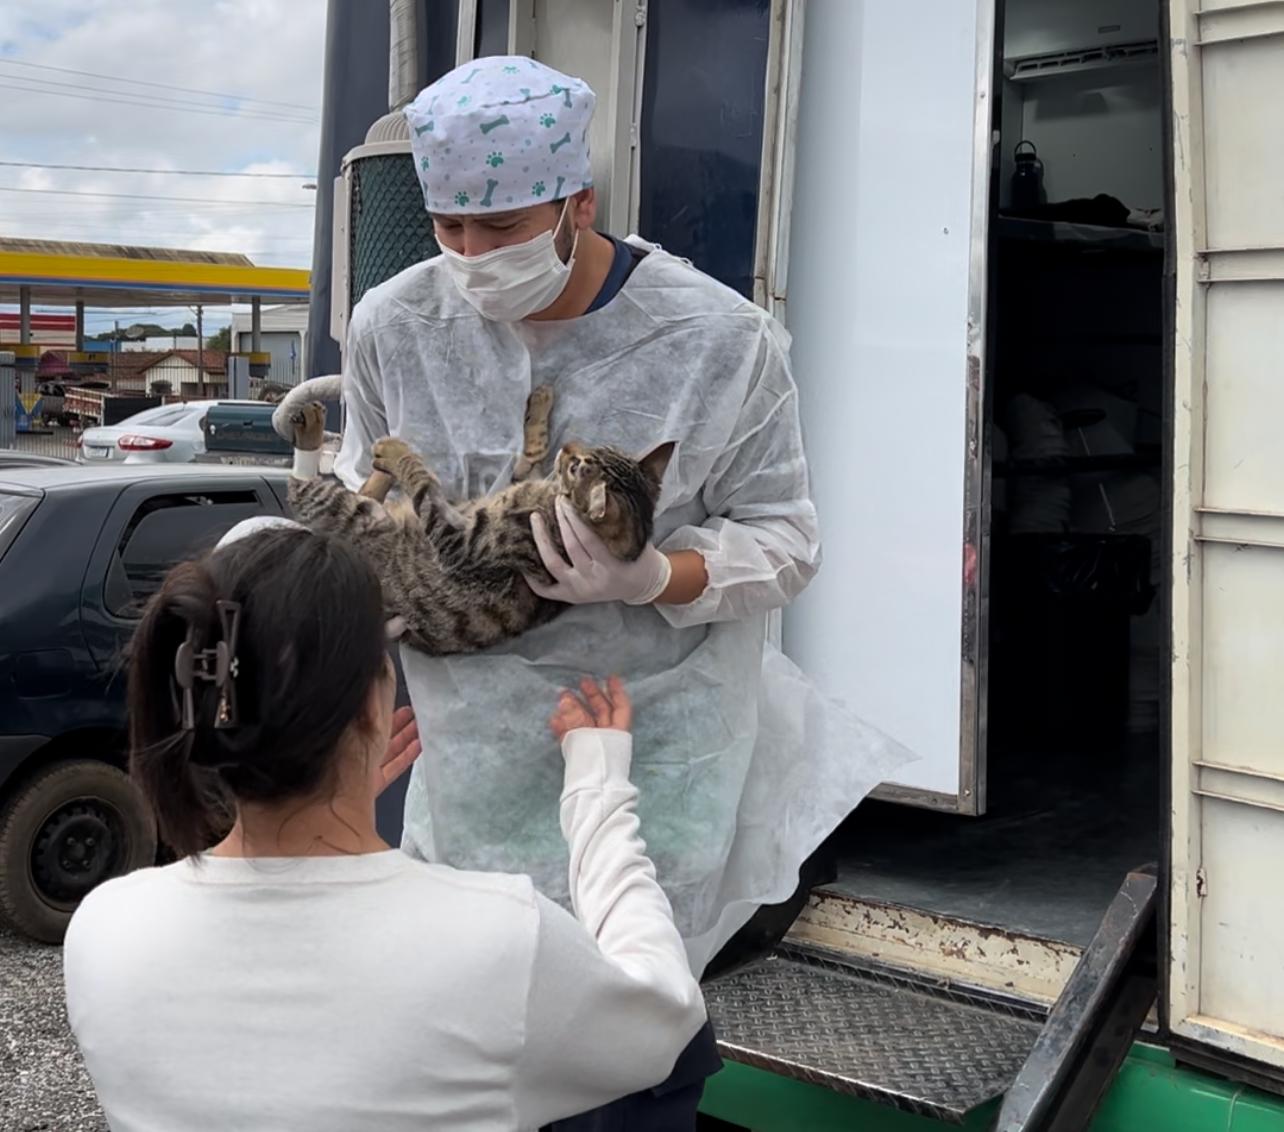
point(501, 133)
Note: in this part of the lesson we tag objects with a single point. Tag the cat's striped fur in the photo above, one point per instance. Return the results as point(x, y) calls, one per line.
point(453, 572)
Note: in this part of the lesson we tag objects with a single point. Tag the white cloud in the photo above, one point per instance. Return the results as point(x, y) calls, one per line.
point(267, 50)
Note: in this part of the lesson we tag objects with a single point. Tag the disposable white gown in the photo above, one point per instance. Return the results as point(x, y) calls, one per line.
point(742, 767)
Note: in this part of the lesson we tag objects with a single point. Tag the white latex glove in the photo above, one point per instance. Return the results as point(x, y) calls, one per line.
point(594, 573)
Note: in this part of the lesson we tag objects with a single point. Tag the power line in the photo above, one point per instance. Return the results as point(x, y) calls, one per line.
point(160, 86)
point(165, 99)
point(154, 105)
point(167, 172)
point(141, 196)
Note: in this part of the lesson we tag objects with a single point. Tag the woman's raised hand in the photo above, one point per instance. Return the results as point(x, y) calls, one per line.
point(597, 705)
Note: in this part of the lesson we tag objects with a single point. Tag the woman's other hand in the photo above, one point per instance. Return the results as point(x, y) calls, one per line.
point(597, 705)
point(403, 748)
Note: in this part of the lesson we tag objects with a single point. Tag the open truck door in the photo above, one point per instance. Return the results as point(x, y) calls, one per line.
point(886, 305)
point(1226, 926)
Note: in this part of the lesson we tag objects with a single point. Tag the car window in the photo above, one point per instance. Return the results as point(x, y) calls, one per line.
point(160, 416)
point(164, 531)
point(14, 510)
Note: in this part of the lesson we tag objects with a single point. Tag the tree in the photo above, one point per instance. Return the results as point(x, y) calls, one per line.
point(150, 330)
point(220, 341)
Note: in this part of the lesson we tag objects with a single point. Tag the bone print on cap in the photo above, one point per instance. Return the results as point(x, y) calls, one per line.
point(501, 133)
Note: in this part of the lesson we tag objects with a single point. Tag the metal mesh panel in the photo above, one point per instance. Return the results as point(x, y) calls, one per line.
point(916, 1045)
point(8, 404)
point(390, 228)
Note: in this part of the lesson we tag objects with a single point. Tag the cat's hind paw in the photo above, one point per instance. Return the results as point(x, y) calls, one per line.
point(308, 424)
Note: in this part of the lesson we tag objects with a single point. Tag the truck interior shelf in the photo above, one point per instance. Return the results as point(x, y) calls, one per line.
point(1092, 237)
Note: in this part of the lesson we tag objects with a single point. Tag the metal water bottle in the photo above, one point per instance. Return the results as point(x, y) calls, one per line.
point(1027, 178)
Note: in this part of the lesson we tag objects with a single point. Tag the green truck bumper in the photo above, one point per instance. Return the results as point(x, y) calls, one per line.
point(1151, 1092)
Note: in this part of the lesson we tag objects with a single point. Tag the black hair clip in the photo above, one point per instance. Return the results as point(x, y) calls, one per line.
point(218, 666)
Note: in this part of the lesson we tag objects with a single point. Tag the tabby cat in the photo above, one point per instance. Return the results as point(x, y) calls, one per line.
point(454, 572)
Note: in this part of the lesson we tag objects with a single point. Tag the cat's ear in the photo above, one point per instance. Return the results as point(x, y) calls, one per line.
point(597, 502)
point(655, 462)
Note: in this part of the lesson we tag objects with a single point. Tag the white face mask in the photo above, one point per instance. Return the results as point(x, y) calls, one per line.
point(509, 284)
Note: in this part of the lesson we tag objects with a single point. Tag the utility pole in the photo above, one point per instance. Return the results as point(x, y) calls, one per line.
point(200, 353)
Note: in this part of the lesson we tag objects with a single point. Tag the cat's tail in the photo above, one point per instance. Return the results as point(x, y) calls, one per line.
point(327, 388)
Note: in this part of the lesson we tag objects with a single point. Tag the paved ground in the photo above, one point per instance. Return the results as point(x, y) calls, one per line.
point(43, 1087)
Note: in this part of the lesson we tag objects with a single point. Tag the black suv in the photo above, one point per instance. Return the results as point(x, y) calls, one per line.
point(81, 550)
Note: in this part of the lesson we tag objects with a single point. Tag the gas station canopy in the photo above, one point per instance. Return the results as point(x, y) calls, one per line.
point(109, 275)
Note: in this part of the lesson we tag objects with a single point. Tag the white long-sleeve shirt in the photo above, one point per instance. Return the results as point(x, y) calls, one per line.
point(380, 992)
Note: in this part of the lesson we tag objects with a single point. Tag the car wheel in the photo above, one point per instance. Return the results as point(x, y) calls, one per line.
point(68, 829)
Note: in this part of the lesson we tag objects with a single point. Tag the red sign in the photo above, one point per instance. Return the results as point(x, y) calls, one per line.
point(13, 321)
point(49, 329)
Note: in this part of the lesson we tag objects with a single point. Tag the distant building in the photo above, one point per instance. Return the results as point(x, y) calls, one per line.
point(178, 368)
point(284, 334)
point(158, 343)
point(138, 371)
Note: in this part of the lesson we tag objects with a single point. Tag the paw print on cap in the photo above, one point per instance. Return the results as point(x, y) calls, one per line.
point(548, 121)
point(539, 188)
point(495, 160)
point(461, 199)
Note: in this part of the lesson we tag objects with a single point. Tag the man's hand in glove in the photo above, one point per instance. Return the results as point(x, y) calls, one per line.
point(594, 573)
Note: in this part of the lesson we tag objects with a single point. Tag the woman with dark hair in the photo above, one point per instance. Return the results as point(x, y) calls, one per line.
point(302, 974)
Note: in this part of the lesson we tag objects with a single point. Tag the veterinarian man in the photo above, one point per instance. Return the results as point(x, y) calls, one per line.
point(742, 768)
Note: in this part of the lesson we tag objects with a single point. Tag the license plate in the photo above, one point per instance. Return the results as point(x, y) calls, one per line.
point(98, 453)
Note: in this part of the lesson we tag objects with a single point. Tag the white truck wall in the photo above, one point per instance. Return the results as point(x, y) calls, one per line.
point(1227, 921)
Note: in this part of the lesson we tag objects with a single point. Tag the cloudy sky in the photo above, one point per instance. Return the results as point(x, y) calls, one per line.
point(230, 86)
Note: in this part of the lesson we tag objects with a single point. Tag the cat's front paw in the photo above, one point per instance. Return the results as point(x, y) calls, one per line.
point(388, 453)
point(308, 423)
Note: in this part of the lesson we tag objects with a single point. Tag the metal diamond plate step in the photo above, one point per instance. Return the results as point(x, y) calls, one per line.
point(918, 1046)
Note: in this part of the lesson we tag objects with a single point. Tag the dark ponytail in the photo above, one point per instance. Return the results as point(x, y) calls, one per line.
point(310, 644)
